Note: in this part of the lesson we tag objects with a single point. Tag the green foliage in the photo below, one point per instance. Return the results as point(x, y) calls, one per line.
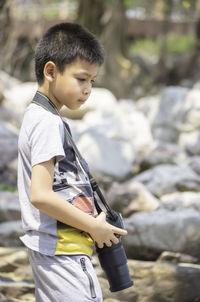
point(145, 46)
point(186, 4)
point(53, 1)
point(187, 7)
point(5, 187)
point(176, 44)
point(180, 44)
point(135, 3)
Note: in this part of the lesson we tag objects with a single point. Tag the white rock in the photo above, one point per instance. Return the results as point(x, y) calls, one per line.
point(100, 99)
point(190, 141)
point(8, 143)
point(170, 119)
point(162, 153)
point(124, 123)
point(7, 82)
point(129, 198)
point(194, 163)
point(153, 232)
point(134, 126)
point(164, 179)
point(10, 232)
point(149, 106)
point(109, 140)
point(192, 108)
point(179, 200)
point(9, 206)
point(106, 156)
point(19, 96)
point(178, 118)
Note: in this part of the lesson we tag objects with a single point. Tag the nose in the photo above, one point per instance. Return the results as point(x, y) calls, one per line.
point(87, 90)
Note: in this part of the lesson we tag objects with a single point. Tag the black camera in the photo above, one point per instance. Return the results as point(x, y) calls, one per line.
point(113, 259)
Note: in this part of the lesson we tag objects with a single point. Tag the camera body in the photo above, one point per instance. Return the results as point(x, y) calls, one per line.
point(115, 219)
point(113, 259)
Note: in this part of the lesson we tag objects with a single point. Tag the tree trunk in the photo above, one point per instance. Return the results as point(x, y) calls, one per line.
point(106, 19)
point(90, 14)
point(16, 51)
point(5, 21)
point(161, 69)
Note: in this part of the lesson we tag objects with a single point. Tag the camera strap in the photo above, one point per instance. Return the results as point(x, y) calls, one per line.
point(43, 101)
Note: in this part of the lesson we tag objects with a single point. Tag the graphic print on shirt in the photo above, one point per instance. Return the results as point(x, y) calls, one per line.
point(73, 185)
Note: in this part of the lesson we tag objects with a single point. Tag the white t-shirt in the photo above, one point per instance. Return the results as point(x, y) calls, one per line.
point(42, 138)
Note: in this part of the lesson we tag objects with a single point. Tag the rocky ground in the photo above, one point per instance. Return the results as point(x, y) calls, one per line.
point(146, 156)
point(173, 277)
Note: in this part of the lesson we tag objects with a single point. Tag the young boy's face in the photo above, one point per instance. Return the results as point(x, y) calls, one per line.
point(72, 87)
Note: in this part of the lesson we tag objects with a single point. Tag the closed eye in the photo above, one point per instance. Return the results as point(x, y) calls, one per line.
point(82, 80)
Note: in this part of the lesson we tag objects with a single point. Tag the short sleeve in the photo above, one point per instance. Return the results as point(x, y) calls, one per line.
point(45, 140)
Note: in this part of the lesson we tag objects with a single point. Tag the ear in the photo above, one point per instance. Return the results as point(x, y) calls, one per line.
point(50, 71)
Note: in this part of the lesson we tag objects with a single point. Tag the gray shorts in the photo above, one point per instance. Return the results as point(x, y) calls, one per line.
point(64, 278)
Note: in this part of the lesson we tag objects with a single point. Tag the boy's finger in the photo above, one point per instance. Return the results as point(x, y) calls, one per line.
point(100, 245)
point(115, 240)
point(120, 231)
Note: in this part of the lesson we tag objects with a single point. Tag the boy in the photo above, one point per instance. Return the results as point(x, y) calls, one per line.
point(55, 194)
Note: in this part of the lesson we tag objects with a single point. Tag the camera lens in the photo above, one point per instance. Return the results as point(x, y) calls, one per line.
point(114, 262)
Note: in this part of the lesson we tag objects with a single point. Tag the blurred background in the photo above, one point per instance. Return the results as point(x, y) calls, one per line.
point(139, 132)
point(148, 43)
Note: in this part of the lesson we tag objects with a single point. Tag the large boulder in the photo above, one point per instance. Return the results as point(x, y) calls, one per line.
point(8, 174)
point(134, 126)
point(100, 142)
point(192, 142)
point(162, 153)
point(149, 106)
point(19, 96)
point(7, 82)
point(180, 200)
point(106, 156)
point(100, 99)
point(171, 116)
point(9, 206)
point(124, 122)
point(10, 231)
point(130, 197)
point(194, 163)
point(150, 233)
point(8, 144)
point(164, 179)
point(110, 140)
point(16, 101)
point(175, 117)
point(16, 97)
point(178, 118)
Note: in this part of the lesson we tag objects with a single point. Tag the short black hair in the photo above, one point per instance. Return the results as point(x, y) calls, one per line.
point(63, 43)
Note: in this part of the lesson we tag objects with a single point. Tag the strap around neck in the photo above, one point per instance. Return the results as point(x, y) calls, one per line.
point(43, 101)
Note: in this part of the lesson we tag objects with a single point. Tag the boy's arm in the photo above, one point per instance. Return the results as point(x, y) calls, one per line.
point(45, 199)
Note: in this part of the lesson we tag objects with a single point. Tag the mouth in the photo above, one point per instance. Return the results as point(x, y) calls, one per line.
point(82, 101)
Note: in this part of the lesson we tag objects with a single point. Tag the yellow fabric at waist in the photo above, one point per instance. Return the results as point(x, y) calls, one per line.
point(73, 242)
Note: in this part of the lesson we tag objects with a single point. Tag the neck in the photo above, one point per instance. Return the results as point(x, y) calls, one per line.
point(45, 89)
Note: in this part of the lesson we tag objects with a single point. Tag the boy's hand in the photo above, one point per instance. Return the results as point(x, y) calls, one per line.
point(104, 232)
